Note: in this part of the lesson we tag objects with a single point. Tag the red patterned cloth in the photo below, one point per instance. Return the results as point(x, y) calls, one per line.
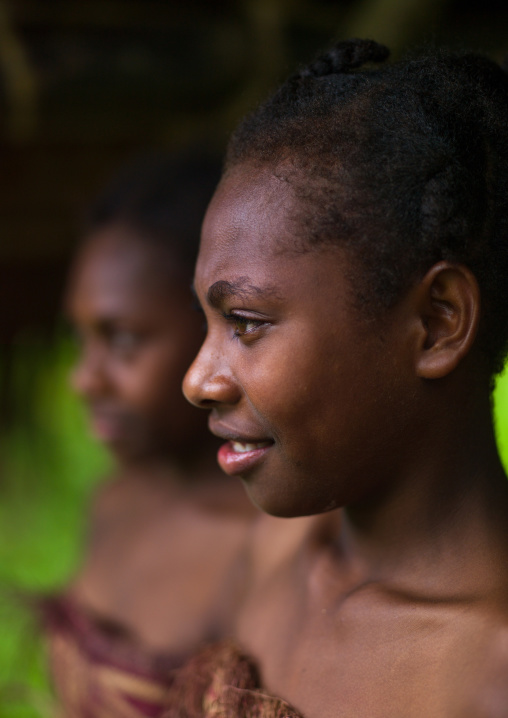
point(99, 673)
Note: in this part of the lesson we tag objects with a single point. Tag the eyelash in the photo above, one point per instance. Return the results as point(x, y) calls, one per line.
point(238, 318)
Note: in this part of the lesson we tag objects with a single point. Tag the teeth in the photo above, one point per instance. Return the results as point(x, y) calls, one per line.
point(242, 448)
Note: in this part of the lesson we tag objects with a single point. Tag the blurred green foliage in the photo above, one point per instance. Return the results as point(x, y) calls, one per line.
point(501, 415)
point(48, 468)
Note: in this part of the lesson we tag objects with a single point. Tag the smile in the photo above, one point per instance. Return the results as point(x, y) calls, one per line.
point(237, 457)
point(241, 447)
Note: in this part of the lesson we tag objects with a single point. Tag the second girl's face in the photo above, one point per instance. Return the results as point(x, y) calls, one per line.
point(309, 397)
point(138, 333)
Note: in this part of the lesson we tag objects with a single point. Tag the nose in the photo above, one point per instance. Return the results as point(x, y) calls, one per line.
point(88, 378)
point(209, 380)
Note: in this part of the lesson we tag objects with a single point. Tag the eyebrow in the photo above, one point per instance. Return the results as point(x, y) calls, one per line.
point(242, 288)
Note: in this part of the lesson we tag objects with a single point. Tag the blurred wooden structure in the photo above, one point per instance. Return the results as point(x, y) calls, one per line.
point(84, 84)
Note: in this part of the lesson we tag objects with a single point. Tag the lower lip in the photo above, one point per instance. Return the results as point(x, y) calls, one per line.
point(105, 430)
point(235, 462)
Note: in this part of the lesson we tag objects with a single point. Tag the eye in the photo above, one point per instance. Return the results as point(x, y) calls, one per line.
point(124, 343)
point(243, 325)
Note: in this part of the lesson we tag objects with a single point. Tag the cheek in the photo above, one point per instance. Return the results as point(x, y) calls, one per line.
point(318, 400)
point(291, 389)
point(153, 382)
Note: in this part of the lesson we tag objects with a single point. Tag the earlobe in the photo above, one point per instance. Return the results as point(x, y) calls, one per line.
point(449, 307)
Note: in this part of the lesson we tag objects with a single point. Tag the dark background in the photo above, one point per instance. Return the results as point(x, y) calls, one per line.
point(84, 84)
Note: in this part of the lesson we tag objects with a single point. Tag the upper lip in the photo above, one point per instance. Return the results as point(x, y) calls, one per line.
point(104, 412)
point(231, 434)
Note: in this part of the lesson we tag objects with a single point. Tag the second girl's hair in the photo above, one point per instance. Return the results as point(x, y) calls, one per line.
point(163, 198)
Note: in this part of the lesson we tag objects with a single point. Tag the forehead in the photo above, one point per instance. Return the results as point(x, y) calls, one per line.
point(117, 269)
point(249, 248)
point(249, 216)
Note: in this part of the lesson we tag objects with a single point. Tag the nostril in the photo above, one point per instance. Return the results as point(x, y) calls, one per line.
point(206, 392)
point(209, 380)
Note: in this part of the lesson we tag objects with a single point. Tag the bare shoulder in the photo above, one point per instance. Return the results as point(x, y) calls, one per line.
point(492, 693)
point(482, 679)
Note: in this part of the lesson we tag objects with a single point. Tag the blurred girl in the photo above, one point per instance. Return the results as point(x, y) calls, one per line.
point(167, 528)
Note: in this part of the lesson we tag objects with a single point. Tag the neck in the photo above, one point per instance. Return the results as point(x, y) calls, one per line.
point(443, 522)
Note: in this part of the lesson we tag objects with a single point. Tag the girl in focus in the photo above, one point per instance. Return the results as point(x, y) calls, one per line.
point(167, 528)
point(353, 271)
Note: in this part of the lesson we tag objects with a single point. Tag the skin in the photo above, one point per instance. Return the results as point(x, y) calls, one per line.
point(167, 517)
point(400, 607)
point(133, 351)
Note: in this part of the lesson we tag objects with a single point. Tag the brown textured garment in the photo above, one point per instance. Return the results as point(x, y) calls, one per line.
point(221, 682)
point(98, 673)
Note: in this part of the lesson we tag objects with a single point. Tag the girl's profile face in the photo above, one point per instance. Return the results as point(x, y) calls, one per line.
point(307, 395)
point(137, 333)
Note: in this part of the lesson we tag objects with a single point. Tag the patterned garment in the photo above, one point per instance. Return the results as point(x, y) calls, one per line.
point(220, 682)
point(98, 673)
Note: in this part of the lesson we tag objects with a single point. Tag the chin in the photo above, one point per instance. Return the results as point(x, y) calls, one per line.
point(281, 506)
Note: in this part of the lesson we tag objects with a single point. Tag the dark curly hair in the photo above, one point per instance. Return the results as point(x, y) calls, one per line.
point(163, 197)
point(405, 164)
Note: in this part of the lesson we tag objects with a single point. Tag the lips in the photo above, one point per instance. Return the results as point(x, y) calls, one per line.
point(107, 426)
point(240, 453)
point(237, 457)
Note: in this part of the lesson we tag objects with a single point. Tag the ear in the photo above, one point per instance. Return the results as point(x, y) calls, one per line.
point(448, 300)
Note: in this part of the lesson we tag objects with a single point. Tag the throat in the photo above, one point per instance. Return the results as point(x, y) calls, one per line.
point(456, 541)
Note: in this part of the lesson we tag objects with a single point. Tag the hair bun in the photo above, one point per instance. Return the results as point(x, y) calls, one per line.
point(345, 55)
